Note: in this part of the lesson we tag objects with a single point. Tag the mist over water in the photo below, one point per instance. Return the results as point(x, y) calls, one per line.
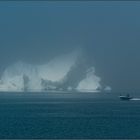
point(37, 32)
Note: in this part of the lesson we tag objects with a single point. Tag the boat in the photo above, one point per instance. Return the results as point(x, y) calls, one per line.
point(127, 97)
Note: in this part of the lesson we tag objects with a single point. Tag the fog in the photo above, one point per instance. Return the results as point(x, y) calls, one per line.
point(107, 32)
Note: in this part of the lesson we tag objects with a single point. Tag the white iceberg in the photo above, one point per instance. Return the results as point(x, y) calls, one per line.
point(21, 76)
point(91, 83)
point(50, 76)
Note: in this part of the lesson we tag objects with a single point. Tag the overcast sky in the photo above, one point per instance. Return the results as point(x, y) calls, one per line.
point(109, 32)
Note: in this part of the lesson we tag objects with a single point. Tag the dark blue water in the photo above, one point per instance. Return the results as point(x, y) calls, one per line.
point(68, 116)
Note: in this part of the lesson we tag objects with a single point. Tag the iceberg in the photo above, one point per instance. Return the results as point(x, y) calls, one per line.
point(107, 89)
point(27, 77)
point(91, 83)
point(57, 69)
point(58, 74)
point(13, 78)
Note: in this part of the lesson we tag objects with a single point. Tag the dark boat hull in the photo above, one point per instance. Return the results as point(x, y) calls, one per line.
point(125, 98)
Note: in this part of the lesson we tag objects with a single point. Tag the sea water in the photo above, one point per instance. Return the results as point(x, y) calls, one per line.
point(68, 116)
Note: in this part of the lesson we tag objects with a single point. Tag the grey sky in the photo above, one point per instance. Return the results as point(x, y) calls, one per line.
point(109, 32)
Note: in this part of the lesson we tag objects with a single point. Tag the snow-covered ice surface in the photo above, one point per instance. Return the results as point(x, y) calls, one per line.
point(57, 68)
point(13, 77)
point(91, 83)
point(28, 77)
